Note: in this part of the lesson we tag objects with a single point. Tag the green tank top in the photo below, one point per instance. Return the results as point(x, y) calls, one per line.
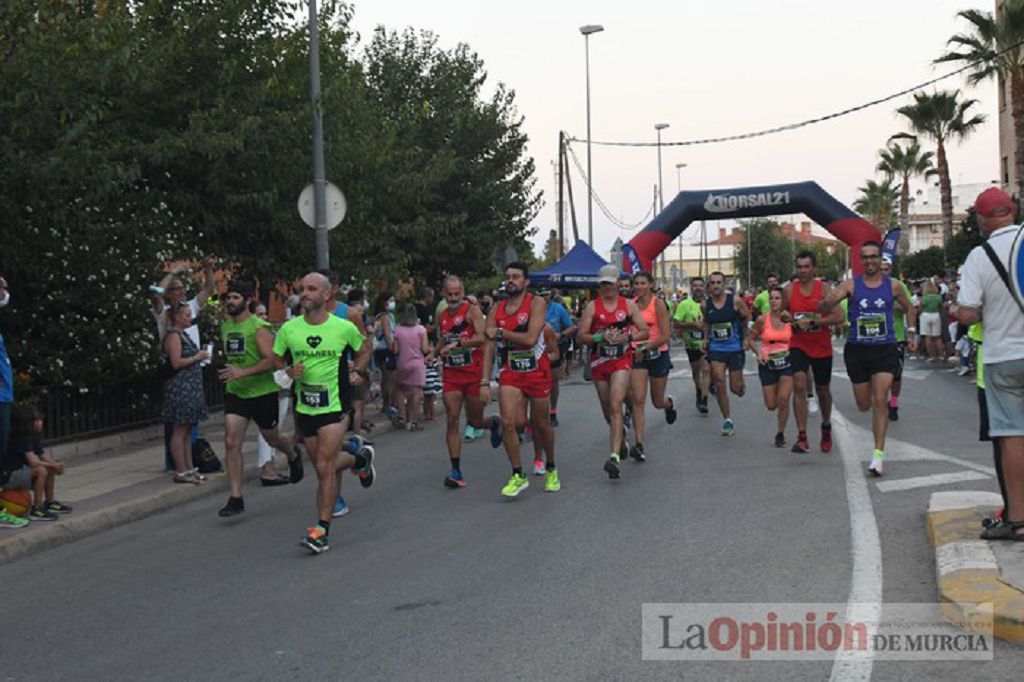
point(240, 350)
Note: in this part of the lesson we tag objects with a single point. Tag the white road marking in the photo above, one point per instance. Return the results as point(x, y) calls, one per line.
point(865, 600)
point(927, 481)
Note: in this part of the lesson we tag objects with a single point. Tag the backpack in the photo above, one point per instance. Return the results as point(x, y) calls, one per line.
point(204, 458)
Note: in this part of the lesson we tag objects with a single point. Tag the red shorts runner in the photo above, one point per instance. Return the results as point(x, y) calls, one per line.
point(535, 384)
point(467, 384)
point(603, 371)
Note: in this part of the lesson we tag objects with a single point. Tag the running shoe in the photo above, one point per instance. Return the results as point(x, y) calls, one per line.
point(963, 371)
point(57, 507)
point(368, 474)
point(703, 406)
point(875, 468)
point(495, 432)
point(826, 438)
point(315, 540)
point(728, 428)
point(340, 508)
point(295, 469)
point(472, 434)
point(538, 467)
point(894, 414)
point(611, 467)
point(670, 411)
point(454, 480)
point(234, 506)
point(517, 484)
point(551, 482)
point(637, 452)
point(41, 514)
point(553, 416)
point(780, 440)
point(11, 521)
point(801, 445)
point(812, 405)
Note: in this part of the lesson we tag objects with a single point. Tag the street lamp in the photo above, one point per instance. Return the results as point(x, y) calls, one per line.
point(661, 194)
point(586, 31)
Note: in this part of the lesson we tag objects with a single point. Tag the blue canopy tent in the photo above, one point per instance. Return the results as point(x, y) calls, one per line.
point(578, 268)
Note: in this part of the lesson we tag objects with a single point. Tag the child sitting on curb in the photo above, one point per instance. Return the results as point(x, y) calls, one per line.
point(30, 466)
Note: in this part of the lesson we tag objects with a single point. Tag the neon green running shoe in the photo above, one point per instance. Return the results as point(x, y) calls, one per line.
point(11, 521)
point(551, 482)
point(515, 485)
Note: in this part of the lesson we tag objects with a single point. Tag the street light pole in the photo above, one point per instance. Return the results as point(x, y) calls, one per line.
point(661, 194)
point(586, 31)
point(319, 172)
point(679, 188)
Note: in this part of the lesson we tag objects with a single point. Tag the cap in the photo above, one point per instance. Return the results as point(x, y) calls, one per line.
point(608, 273)
point(544, 291)
point(886, 258)
point(994, 202)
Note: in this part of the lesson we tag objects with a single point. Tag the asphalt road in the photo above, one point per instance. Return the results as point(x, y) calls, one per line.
point(427, 583)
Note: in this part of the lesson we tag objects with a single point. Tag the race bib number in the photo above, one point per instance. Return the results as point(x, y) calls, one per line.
point(611, 352)
point(872, 327)
point(721, 331)
point(522, 361)
point(650, 354)
point(457, 358)
point(778, 360)
point(314, 395)
point(697, 334)
point(234, 344)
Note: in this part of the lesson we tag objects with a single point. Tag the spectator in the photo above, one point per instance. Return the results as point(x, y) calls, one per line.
point(384, 349)
point(6, 379)
point(184, 403)
point(485, 300)
point(985, 293)
point(414, 353)
point(29, 466)
point(931, 320)
point(425, 312)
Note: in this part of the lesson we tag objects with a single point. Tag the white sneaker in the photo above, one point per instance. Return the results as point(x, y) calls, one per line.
point(875, 468)
point(538, 467)
point(812, 405)
point(963, 371)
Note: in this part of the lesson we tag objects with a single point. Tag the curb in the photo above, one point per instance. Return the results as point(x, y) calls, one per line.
point(965, 566)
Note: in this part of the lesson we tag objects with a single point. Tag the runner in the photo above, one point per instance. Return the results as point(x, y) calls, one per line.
point(461, 335)
point(515, 335)
point(810, 349)
point(775, 367)
point(725, 318)
point(563, 326)
point(870, 354)
point(554, 353)
point(317, 342)
point(651, 361)
point(251, 392)
point(899, 319)
point(605, 325)
point(689, 320)
point(762, 301)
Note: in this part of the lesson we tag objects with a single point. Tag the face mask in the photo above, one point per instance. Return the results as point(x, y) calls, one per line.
point(391, 306)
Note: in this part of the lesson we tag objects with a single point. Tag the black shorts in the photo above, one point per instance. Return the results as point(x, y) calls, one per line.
point(695, 354)
point(261, 409)
point(770, 377)
point(864, 360)
point(821, 367)
point(901, 348)
point(657, 368)
point(983, 416)
point(732, 359)
point(309, 424)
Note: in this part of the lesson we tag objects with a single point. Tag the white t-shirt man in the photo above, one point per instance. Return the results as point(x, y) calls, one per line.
point(981, 287)
point(192, 332)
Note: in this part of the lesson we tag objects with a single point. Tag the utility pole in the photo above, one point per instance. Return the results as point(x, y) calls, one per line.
point(323, 259)
point(561, 194)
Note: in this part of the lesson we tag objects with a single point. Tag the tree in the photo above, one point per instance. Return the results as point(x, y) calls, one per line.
point(832, 264)
point(877, 203)
point(965, 240)
point(905, 163)
point(992, 46)
point(769, 251)
point(943, 117)
point(923, 263)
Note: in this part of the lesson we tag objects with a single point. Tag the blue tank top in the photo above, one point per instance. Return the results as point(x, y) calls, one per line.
point(341, 310)
point(724, 323)
point(870, 313)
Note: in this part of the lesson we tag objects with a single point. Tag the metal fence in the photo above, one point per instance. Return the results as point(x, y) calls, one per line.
point(70, 414)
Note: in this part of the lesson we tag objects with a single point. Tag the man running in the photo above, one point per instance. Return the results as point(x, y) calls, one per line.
point(689, 321)
point(605, 326)
point(762, 302)
point(461, 335)
point(515, 335)
point(251, 392)
point(564, 328)
point(651, 361)
point(725, 323)
point(810, 348)
point(900, 323)
point(870, 354)
point(318, 342)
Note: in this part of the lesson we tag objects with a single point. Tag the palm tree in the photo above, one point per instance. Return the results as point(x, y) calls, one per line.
point(943, 117)
point(877, 202)
point(992, 46)
point(905, 163)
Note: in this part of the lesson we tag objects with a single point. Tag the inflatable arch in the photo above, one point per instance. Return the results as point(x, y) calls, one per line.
point(748, 202)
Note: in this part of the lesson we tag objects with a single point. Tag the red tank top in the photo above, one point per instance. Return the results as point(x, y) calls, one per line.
point(605, 319)
point(815, 344)
point(517, 357)
point(455, 326)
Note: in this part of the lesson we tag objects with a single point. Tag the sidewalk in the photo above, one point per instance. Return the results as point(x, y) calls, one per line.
point(970, 570)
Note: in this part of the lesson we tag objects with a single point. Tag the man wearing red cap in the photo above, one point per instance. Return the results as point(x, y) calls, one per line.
point(986, 294)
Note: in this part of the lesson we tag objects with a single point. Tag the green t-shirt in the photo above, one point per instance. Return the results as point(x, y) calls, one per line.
point(899, 318)
point(931, 303)
point(845, 305)
point(688, 311)
point(320, 349)
point(763, 301)
point(977, 332)
point(240, 349)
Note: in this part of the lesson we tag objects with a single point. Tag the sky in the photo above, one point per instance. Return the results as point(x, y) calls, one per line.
point(708, 69)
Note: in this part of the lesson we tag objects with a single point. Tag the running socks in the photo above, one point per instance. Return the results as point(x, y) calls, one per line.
point(878, 454)
point(518, 471)
point(326, 525)
point(615, 457)
point(894, 401)
point(456, 461)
